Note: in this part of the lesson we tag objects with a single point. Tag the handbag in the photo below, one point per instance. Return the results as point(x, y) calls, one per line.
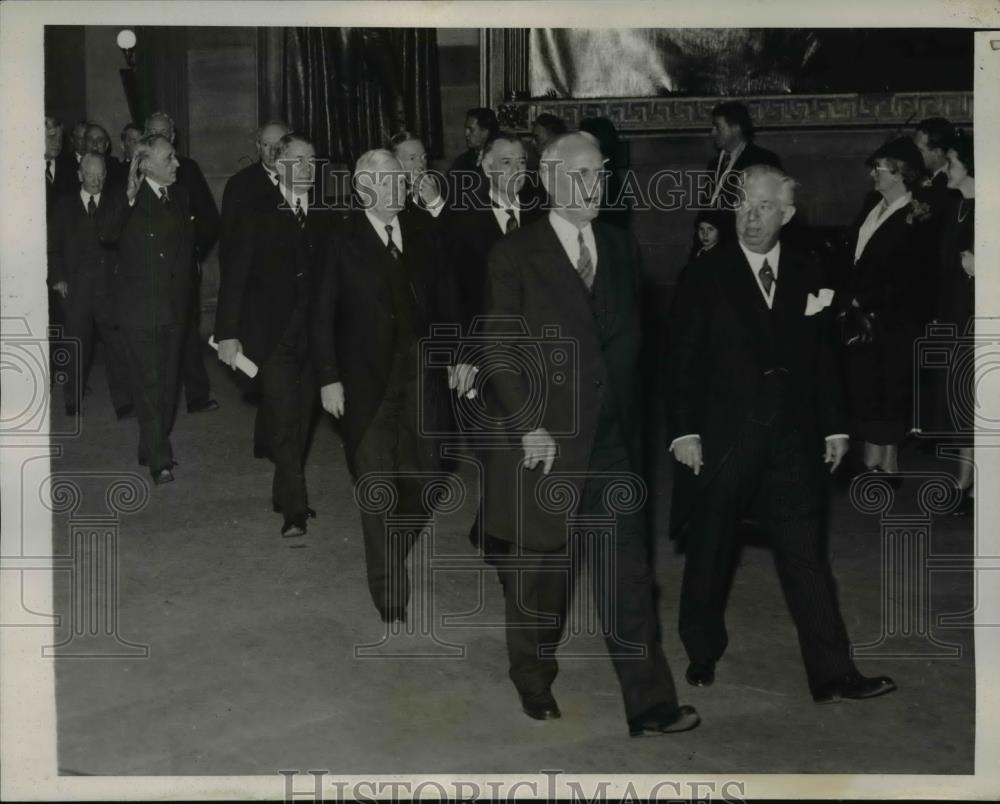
point(856, 327)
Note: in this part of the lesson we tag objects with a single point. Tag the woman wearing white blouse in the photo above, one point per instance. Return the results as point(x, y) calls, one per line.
point(882, 286)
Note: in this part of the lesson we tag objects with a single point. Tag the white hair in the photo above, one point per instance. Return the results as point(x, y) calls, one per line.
point(786, 184)
point(375, 160)
point(554, 150)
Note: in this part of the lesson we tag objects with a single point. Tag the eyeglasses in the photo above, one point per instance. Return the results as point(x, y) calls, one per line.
point(877, 168)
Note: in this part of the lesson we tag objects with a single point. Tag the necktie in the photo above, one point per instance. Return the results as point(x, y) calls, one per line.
point(511, 221)
point(585, 265)
point(91, 207)
point(390, 246)
point(48, 171)
point(766, 278)
point(164, 197)
point(300, 214)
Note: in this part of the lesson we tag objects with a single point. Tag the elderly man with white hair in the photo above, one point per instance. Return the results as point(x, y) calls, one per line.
point(383, 287)
point(756, 408)
point(197, 389)
point(573, 460)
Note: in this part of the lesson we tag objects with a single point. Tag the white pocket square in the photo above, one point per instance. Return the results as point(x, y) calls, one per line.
point(816, 303)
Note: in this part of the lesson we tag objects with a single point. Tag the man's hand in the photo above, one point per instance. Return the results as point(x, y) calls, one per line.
point(134, 179)
point(229, 350)
point(332, 398)
point(836, 449)
point(61, 288)
point(427, 188)
point(969, 263)
point(461, 378)
point(687, 451)
point(539, 447)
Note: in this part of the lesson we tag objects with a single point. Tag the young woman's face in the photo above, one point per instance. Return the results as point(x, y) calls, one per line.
point(956, 170)
point(708, 235)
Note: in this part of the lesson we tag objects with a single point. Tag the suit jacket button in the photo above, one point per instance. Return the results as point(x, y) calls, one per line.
point(598, 383)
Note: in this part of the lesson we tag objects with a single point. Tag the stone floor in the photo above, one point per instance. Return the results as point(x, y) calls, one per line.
point(257, 660)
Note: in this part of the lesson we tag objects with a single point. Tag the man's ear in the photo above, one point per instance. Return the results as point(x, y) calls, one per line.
point(788, 214)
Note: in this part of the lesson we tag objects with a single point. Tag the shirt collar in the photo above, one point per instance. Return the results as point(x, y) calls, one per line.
point(497, 203)
point(271, 174)
point(379, 226)
point(565, 229)
point(756, 260)
point(85, 196)
point(155, 186)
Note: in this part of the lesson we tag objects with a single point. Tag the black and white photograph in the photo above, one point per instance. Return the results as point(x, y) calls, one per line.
point(398, 404)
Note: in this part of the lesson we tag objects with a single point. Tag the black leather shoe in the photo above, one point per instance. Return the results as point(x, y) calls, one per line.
point(125, 412)
point(700, 674)
point(294, 526)
point(543, 707)
point(310, 513)
point(163, 476)
point(852, 687)
point(203, 407)
point(663, 719)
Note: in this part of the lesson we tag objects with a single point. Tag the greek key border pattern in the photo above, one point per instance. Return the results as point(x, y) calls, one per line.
point(641, 115)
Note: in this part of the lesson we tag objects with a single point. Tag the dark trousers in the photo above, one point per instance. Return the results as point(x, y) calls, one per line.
point(285, 414)
point(86, 310)
point(539, 586)
point(153, 358)
point(197, 390)
point(778, 470)
point(391, 448)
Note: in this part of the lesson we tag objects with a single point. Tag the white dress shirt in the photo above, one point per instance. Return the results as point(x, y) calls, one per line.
point(568, 235)
point(721, 174)
point(271, 174)
point(294, 199)
point(500, 210)
point(379, 227)
point(757, 262)
point(876, 217)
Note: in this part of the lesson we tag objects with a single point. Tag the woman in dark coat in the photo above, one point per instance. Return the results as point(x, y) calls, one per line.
point(956, 306)
point(887, 250)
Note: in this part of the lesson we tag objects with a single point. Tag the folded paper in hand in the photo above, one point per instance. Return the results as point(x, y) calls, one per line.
point(817, 303)
point(243, 363)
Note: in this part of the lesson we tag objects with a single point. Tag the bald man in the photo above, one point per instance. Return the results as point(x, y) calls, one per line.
point(570, 277)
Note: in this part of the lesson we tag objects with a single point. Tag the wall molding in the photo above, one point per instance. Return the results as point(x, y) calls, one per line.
point(666, 115)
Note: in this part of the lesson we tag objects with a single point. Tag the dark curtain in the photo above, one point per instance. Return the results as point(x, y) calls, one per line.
point(350, 89)
point(162, 77)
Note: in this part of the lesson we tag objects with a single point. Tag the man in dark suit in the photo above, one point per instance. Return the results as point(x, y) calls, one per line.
point(80, 266)
point(754, 393)
point(263, 312)
point(197, 390)
point(422, 191)
point(733, 133)
point(119, 170)
point(579, 278)
point(97, 141)
point(60, 173)
point(465, 174)
point(383, 286)
point(152, 291)
point(247, 189)
point(495, 210)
